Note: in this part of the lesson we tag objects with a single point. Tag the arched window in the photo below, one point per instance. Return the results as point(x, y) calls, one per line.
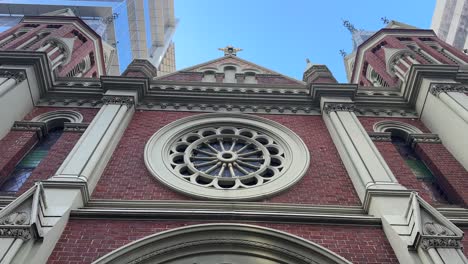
point(230, 74)
point(222, 243)
point(209, 76)
point(400, 133)
point(250, 77)
point(54, 121)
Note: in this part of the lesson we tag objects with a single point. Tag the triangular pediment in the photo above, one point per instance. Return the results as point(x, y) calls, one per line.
point(24, 217)
point(427, 224)
point(241, 66)
point(396, 24)
point(61, 12)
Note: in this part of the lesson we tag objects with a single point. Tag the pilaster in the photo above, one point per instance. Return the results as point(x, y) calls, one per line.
point(445, 112)
point(417, 232)
point(70, 187)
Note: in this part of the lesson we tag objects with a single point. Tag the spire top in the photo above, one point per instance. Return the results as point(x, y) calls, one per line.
point(349, 26)
point(229, 50)
point(385, 20)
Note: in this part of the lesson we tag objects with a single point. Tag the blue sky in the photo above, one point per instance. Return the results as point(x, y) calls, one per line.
point(281, 34)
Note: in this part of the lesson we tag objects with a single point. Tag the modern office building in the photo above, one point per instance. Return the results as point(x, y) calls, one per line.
point(228, 161)
point(450, 22)
point(138, 29)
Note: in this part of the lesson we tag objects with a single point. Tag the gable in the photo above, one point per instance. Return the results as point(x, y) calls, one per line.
point(241, 71)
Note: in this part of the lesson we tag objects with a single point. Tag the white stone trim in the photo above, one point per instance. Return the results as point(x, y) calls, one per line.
point(236, 239)
point(50, 117)
point(386, 125)
point(158, 161)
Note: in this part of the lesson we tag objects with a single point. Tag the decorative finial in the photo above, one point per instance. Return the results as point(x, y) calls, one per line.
point(307, 60)
point(230, 50)
point(349, 26)
point(343, 53)
point(385, 20)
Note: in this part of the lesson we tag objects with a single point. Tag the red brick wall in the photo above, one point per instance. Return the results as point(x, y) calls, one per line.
point(368, 122)
point(326, 181)
point(450, 174)
point(52, 161)
point(405, 176)
point(13, 147)
point(87, 113)
point(84, 241)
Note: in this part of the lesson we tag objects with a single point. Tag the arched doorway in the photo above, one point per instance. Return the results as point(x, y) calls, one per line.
point(222, 244)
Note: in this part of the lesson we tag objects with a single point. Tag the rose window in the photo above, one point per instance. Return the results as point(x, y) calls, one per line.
point(226, 156)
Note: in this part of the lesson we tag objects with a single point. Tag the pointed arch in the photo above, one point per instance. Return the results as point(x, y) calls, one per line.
point(221, 242)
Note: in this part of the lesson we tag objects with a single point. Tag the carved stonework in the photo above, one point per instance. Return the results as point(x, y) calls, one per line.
point(39, 127)
point(120, 100)
point(17, 218)
point(19, 76)
point(334, 107)
point(440, 242)
point(380, 136)
point(23, 233)
point(413, 139)
point(434, 229)
point(437, 88)
point(75, 127)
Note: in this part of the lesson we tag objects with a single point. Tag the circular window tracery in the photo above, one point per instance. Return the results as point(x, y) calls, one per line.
point(226, 156)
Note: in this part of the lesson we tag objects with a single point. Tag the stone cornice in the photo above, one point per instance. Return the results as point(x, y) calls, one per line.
point(39, 127)
point(437, 88)
point(17, 75)
point(75, 127)
point(22, 232)
point(380, 136)
point(336, 107)
point(129, 101)
point(212, 210)
point(418, 72)
point(428, 242)
point(413, 139)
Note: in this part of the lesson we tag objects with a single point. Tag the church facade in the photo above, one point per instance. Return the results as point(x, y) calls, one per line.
point(230, 162)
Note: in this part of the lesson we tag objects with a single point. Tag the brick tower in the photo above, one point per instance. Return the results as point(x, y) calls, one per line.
point(72, 47)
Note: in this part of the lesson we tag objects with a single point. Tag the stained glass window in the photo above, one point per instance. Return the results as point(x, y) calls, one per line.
point(29, 162)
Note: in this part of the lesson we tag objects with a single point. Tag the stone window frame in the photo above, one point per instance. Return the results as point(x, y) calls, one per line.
point(387, 125)
point(158, 160)
point(56, 118)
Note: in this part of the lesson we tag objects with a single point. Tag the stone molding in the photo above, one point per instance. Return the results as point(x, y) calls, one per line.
point(385, 125)
point(75, 127)
point(17, 75)
point(440, 242)
point(21, 232)
point(238, 239)
point(439, 236)
point(214, 210)
point(437, 88)
point(39, 127)
point(22, 217)
point(335, 107)
point(51, 116)
point(380, 136)
point(413, 139)
point(118, 100)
